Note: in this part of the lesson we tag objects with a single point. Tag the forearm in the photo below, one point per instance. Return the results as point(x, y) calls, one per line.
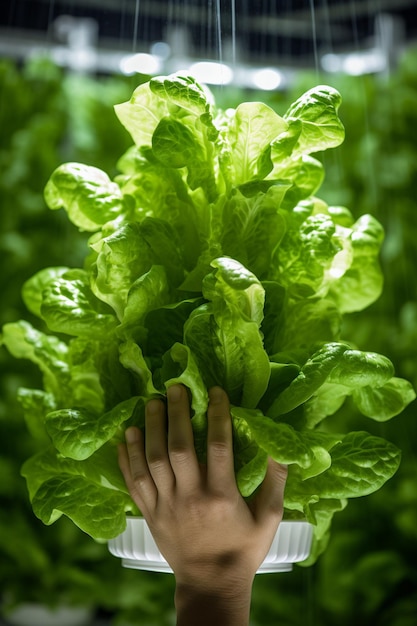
point(220, 605)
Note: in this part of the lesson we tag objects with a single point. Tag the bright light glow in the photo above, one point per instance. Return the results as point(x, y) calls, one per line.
point(371, 62)
point(355, 63)
point(161, 49)
point(140, 63)
point(267, 79)
point(211, 73)
point(83, 60)
point(332, 62)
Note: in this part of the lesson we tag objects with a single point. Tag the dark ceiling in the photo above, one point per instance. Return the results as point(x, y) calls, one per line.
point(290, 32)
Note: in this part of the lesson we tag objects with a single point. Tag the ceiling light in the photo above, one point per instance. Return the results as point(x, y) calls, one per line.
point(141, 63)
point(370, 62)
point(161, 49)
point(267, 79)
point(212, 73)
point(356, 63)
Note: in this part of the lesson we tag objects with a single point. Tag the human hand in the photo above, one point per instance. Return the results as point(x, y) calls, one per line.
point(211, 537)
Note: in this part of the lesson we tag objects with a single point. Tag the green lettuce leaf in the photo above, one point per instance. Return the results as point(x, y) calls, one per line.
point(175, 145)
point(36, 404)
point(180, 367)
point(122, 258)
point(384, 402)
point(285, 444)
point(356, 289)
point(87, 194)
point(131, 357)
point(91, 493)
point(69, 306)
point(312, 375)
point(147, 293)
point(33, 287)
point(157, 191)
point(87, 381)
point(251, 130)
point(180, 90)
point(322, 513)
point(164, 326)
point(321, 128)
point(361, 464)
point(49, 353)
point(305, 174)
point(141, 114)
point(306, 323)
point(253, 227)
point(78, 434)
point(227, 331)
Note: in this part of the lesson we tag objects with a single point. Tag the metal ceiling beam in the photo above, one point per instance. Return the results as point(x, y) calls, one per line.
point(357, 8)
point(296, 22)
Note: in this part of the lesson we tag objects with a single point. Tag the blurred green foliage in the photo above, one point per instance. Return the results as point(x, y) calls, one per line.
point(48, 117)
point(368, 573)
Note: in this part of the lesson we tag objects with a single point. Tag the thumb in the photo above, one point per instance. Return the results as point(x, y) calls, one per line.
point(268, 506)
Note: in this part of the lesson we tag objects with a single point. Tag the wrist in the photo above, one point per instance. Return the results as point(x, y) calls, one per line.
point(207, 598)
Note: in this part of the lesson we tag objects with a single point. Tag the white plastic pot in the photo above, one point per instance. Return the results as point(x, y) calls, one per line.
point(138, 550)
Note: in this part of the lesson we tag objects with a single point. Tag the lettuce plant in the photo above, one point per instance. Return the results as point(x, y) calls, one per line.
point(211, 261)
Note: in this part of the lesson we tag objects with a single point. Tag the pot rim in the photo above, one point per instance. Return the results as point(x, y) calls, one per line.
point(138, 549)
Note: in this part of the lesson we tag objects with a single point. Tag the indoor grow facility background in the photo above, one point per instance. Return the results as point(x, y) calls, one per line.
point(63, 65)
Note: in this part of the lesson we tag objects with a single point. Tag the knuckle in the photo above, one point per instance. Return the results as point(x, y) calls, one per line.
point(157, 463)
point(179, 454)
point(140, 479)
point(219, 449)
point(280, 473)
point(221, 500)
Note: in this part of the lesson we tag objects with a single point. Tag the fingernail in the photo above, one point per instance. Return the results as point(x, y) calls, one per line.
point(174, 393)
point(132, 435)
point(153, 406)
point(216, 395)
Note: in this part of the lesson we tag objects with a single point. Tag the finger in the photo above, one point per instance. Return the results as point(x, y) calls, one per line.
point(181, 448)
point(268, 505)
point(156, 446)
point(220, 467)
point(133, 465)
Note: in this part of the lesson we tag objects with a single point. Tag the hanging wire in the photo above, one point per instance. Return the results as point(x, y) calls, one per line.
point(244, 14)
point(327, 25)
point(285, 47)
point(51, 10)
point(135, 25)
point(233, 26)
point(209, 24)
point(122, 21)
point(273, 39)
point(219, 31)
point(372, 177)
point(354, 23)
point(203, 35)
point(314, 33)
point(170, 12)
